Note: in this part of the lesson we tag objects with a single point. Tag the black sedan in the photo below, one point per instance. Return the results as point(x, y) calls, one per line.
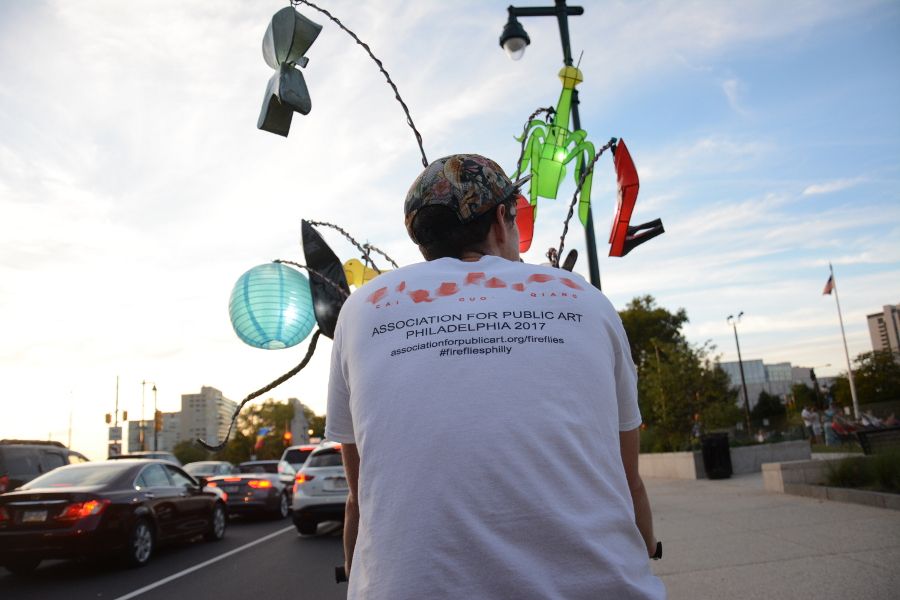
point(262, 486)
point(123, 507)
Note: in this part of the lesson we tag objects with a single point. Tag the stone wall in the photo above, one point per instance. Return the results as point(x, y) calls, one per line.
point(744, 460)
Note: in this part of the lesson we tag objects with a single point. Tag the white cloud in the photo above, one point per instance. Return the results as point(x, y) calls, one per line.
point(829, 187)
point(732, 88)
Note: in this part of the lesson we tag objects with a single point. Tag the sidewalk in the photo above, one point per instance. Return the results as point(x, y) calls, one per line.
point(732, 539)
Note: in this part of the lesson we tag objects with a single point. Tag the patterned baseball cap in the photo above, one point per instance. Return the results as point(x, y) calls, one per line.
point(468, 184)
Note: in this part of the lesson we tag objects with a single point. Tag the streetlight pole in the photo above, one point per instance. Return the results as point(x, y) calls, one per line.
point(142, 428)
point(733, 322)
point(155, 428)
point(514, 40)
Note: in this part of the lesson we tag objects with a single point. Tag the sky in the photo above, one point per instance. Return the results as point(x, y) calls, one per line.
point(135, 187)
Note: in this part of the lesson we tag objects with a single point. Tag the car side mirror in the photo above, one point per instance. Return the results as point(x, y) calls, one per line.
point(202, 481)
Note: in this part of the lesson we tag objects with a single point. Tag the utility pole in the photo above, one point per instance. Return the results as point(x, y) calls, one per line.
point(733, 322)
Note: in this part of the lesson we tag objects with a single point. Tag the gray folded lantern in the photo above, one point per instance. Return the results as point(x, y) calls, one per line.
point(287, 39)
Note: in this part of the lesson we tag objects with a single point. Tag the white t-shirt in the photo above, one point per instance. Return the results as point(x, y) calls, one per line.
point(486, 400)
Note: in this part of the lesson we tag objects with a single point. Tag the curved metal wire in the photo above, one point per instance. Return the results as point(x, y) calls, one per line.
point(409, 120)
point(336, 287)
point(554, 260)
point(363, 248)
point(261, 391)
point(550, 111)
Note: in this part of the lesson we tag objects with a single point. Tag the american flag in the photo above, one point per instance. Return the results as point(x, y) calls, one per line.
point(829, 286)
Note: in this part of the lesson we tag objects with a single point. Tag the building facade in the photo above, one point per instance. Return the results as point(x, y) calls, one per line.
point(775, 379)
point(884, 329)
point(170, 434)
point(299, 425)
point(206, 415)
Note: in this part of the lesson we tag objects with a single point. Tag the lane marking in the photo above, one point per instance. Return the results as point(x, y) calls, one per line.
point(197, 567)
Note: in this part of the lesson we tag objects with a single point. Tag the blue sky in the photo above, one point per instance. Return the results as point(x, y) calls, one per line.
point(135, 187)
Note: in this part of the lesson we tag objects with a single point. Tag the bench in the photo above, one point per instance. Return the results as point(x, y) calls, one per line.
point(875, 441)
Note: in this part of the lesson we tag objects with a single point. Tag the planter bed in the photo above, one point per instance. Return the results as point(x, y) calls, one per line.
point(744, 460)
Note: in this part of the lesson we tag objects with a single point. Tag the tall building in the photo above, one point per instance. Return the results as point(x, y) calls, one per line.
point(170, 434)
point(166, 438)
point(775, 379)
point(884, 329)
point(299, 425)
point(134, 435)
point(206, 415)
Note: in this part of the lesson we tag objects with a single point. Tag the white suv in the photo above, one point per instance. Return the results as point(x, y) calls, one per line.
point(320, 489)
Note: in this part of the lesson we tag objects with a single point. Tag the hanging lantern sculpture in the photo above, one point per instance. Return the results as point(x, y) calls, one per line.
point(552, 145)
point(271, 307)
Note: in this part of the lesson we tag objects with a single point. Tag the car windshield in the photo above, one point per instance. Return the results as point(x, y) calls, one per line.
point(198, 468)
point(327, 458)
point(266, 467)
point(296, 456)
point(81, 475)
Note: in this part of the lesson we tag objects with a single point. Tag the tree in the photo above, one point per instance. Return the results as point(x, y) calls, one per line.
point(316, 422)
point(877, 379)
point(803, 396)
point(769, 407)
point(676, 380)
point(188, 452)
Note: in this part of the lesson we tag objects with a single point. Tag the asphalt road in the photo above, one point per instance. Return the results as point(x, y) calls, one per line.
point(260, 559)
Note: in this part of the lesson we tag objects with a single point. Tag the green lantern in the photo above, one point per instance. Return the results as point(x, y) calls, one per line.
point(551, 146)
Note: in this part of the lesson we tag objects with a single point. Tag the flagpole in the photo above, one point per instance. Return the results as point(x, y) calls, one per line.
point(846, 352)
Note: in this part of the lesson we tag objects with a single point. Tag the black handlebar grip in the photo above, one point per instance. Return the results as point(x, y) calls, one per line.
point(340, 575)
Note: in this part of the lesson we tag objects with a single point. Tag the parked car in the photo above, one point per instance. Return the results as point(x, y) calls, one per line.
point(23, 460)
point(261, 487)
point(157, 454)
point(210, 468)
point(297, 455)
point(320, 489)
point(124, 507)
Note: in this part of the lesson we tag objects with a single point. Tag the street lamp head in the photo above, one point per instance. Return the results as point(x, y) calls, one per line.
point(729, 319)
point(513, 40)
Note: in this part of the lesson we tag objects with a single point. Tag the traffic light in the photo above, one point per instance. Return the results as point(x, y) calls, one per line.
point(288, 437)
point(124, 415)
point(158, 421)
point(108, 418)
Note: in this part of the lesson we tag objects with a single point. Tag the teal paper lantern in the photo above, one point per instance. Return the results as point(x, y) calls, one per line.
point(271, 307)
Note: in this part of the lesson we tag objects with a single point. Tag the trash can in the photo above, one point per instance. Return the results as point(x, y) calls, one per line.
point(716, 455)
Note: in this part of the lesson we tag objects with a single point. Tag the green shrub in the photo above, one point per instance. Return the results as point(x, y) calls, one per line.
point(880, 472)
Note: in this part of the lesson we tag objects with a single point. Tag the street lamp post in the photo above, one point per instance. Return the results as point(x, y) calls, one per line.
point(514, 40)
point(143, 429)
point(731, 320)
point(155, 428)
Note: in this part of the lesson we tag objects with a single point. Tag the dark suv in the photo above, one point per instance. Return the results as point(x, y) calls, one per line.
point(23, 460)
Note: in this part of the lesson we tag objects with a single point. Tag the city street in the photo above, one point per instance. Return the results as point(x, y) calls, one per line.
point(257, 558)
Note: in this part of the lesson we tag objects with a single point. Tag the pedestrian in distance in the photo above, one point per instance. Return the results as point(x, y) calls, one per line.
point(807, 415)
point(488, 414)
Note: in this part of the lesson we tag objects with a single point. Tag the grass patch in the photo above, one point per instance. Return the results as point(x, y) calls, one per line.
point(878, 473)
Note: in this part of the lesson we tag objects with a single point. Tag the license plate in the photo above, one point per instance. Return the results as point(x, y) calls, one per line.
point(230, 489)
point(34, 516)
point(335, 484)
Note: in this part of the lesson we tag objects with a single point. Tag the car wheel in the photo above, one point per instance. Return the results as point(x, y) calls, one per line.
point(307, 527)
point(284, 505)
point(217, 524)
point(140, 544)
point(23, 566)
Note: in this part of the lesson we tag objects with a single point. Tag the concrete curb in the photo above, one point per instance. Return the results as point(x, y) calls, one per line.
point(805, 478)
